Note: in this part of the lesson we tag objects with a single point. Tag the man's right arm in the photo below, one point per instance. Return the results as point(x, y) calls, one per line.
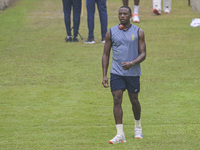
point(105, 58)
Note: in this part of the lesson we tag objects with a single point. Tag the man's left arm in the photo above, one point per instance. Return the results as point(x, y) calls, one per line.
point(142, 48)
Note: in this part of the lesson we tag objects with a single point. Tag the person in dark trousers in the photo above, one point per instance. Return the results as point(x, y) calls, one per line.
point(102, 8)
point(76, 6)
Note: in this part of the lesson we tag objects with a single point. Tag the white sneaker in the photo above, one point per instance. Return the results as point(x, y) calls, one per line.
point(135, 18)
point(118, 139)
point(167, 11)
point(103, 40)
point(138, 133)
point(157, 11)
point(89, 41)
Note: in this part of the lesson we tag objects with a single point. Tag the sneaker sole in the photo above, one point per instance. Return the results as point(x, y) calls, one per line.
point(156, 12)
point(89, 42)
point(138, 137)
point(110, 142)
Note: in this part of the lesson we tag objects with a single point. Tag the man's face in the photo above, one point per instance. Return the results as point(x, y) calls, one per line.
point(124, 16)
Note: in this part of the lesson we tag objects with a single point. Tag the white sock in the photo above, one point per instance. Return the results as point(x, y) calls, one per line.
point(138, 123)
point(136, 9)
point(119, 128)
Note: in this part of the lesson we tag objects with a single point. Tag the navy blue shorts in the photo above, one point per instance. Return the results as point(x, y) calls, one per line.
point(131, 83)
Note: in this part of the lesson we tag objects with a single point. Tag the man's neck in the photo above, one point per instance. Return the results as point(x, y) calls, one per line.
point(126, 26)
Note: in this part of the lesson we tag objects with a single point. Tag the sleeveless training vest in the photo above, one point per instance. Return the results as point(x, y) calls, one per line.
point(125, 48)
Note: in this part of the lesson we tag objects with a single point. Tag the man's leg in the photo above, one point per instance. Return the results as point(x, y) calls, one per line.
point(67, 16)
point(135, 16)
point(76, 16)
point(90, 4)
point(118, 114)
point(167, 6)
point(125, 2)
point(101, 4)
point(136, 108)
point(136, 2)
point(157, 7)
point(117, 109)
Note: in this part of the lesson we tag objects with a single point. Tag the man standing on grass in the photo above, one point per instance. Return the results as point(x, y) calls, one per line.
point(102, 8)
point(129, 50)
point(67, 6)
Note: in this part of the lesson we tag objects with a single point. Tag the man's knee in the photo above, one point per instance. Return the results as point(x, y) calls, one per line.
point(117, 98)
point(117, 101)
point(134, 101)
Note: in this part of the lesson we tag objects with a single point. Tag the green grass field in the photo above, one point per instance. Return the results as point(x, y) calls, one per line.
point(51, 96)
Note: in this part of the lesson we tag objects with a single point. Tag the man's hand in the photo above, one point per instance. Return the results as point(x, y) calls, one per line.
point(127, 65)
point(105, 82)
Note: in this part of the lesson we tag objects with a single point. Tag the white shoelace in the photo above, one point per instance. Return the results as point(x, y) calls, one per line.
point(116, 138)
point(138, 132)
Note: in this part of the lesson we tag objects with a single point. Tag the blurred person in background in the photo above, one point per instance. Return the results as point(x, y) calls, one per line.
point(67, 6)
point(102, 8)
point(157, 6)
point(135, 15)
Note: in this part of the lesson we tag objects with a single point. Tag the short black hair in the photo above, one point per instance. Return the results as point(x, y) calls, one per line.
point(127, 8)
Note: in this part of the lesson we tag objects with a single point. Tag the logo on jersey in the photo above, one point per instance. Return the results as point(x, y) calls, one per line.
point(133, 37)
